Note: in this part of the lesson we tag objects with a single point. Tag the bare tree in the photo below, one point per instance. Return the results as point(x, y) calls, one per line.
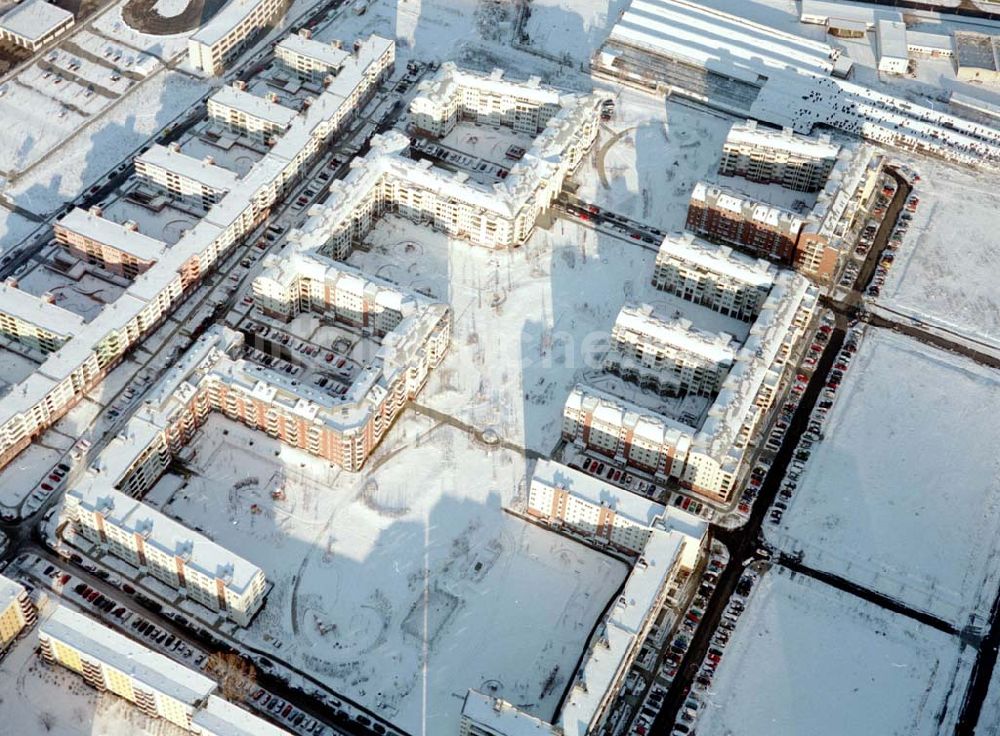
point(236, 675)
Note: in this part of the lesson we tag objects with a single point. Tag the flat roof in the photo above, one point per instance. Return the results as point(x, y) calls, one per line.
point(34, 19)
point(254, 106)
point(169, 536)
point(29, 308)
point(221, 718)
point(151, 669)
point(325, 53)
point(10, 591)
point(501, 717)
point(108, 232)
point(719, 259)
point(892, 39)
point(719, 348)
point(231, 15)
point(204, 172)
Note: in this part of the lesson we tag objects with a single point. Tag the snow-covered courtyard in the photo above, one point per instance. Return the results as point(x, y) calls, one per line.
point(386, 581)
point(809, 659)
point(903, 493)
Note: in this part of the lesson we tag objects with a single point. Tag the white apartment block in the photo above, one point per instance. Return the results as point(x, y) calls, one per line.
point(81, 362)
point(458, 94)
point(309, 59)
point(713, 276)
point(33, 23)
point(119, 248)
point(247, 114)
point(777, 157)
point(670, 357)
point(484, 715)
point(708, 459)
point(185, 560)
point(112, 662)
point(37, 323)
point(184, 177)
point(501, 215)
point(17, 612)
point(221, 718)
point(229, 31)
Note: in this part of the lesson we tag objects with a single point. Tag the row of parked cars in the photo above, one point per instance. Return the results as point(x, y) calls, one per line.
point(895, 240)
point(283, 711)
point(695, 701)
point(607, 471)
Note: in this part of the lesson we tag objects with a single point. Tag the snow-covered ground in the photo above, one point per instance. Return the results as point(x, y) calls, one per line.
point(387, 581)
point(573, 28)
point(112, 25)
point(511, 366)
point(42, 699)
point(647, 159)
point(903, 493)
point(809, 659)
point(944, 272)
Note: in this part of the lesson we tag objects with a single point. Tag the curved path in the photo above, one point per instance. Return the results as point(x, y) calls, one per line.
point(142, 16)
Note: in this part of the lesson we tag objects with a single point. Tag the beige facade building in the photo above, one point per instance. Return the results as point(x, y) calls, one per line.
point(243, 113)
point(121, 249)
point(37, 323)
point(33, 23)
point(310, 60)
point(17, 612)
point(182, 177)
point(229, 31)
point(777, 157)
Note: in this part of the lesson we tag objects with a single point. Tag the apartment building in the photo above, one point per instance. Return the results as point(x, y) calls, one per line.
point(231, 30)
point(197, 181)
point(37, 323)
point(112, 662)
point(17, 612)
point(121, 249)
point(82, 361)
point(221, 718)
point(185, 560)
point(308, 59)
point(723, 214)
point(598, 511)
point(484, 715)
point(670, 357)
point(708, 459)
point(454, 95)
point(777, 157)
point(33, 23)
point(243, 113)
point(713, 276)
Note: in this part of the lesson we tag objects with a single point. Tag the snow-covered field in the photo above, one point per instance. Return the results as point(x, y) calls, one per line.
point(571, 27)
point(511, 366)
point(405, 584)
point(903, 494)
point(809, 659)
point(647, 159)
point(944, 273)
point(39, 699)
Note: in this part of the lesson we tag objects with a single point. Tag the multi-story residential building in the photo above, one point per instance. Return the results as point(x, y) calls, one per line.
point(185, 560)
point(670, 357)
point(778, 157)
point(221, 718)
point(109, 661)
point(182, 177)
point(17, 612)
point(600, 512)
point(248, 114)
point(457, 94)
point(713, 276)
point(33, 23)
point(121, 249)
point(229, 31)
point(708, 459)
point(484, 715)
point(37, 323)
point(726, 215)
point(310, 60)
point(79, 364)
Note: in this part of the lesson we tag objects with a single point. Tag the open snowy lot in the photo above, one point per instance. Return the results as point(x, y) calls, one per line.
point(809, 659)
point(571, 28)
point(528, 323)
point(387, 581)
point(944, 271)
point(42, 699)
point(903, 494)
point(648, 158)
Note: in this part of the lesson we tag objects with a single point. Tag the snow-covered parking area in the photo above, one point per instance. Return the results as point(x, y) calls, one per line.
point(903, 493)
point(405, 584)
point(810, 659)
point(945, 271)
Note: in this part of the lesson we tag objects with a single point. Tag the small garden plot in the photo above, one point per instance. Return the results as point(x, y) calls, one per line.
point(809, 659)
point(903, 493)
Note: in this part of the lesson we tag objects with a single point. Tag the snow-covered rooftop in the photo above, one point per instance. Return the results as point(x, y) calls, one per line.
point(203, 171)
point(749, 133)
point(225, 20)
point(892, 39)
point(34, 19)
point(254, 106)
point(39, 312)
point(721, 259)
point(676, 333)
point(325, 53)
point(149, 668)
point(501, 717)
point(10, 591)
point(108, 232)
point(221, 718)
